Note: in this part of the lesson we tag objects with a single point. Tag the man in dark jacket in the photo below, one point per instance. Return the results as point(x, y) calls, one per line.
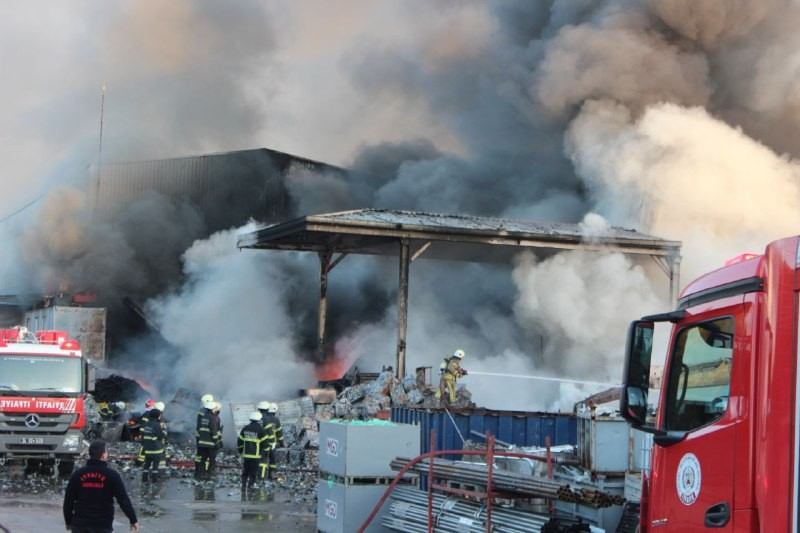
point(90, 493)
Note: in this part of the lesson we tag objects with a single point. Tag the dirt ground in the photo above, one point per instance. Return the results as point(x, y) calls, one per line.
point(33, 504)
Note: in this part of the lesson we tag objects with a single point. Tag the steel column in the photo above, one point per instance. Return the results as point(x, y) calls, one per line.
point(402, 310)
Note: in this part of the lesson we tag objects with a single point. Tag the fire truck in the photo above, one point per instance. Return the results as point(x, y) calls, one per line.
point(43, 381)
point(725, 425)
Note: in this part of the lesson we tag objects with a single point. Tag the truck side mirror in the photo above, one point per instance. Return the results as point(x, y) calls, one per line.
point(636, 377)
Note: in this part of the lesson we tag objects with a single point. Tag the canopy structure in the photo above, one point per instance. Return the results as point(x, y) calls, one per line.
point(454, 237)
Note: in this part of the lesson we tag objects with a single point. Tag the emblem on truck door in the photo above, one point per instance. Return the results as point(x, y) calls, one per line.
point(688, 479)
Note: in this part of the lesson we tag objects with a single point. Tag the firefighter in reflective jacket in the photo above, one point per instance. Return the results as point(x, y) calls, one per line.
point(272, 425)
point(207, 438)
point(153, 441)
point(451, 370)
point(253, 443)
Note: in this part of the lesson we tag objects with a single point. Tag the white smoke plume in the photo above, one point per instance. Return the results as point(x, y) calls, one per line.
point(672, 117)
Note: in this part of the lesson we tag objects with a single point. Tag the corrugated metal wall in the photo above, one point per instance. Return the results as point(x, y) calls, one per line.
point(227, 188)
point(518, 428)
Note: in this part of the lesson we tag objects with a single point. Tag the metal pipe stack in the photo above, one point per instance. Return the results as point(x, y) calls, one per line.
point(510, 482)
point(409, 512)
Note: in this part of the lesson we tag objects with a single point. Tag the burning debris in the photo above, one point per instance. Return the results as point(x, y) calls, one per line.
point(118, 388)
point(374, 399)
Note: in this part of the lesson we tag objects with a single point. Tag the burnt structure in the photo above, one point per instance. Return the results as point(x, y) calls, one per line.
point(409, 235)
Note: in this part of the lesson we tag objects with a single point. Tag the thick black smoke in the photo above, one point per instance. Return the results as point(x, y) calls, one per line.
point(675, 118)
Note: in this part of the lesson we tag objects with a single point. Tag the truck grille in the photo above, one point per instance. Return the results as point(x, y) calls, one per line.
point(56, 423)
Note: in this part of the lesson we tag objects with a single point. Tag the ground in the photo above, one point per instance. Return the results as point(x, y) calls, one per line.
point(33, 504)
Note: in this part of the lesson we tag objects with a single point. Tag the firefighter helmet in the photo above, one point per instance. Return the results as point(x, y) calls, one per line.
point(149, 403)
point(160, 406)
point(217, 407)
point(209, 405)
point(255, 416)
point(263, 406)
point(206, 398)
point(273, 408)
point(120, 405)
point(459, 353)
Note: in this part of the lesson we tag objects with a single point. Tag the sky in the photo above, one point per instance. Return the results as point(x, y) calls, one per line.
point(671, 117)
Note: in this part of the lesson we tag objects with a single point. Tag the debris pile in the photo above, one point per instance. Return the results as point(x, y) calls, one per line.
point(117, 388)
point(369, 400)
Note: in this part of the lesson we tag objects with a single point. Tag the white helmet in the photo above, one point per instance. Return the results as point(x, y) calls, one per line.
point(217, 407)
point(121, 405)
point(160, 406)
point(255, 416)
point(209, 405)
point(263, 406)
point(273, 408)
point(459, 353)
point(206, 398)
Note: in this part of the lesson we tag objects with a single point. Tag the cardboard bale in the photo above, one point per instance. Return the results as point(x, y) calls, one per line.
point(306, 422)
point(296, 457)
point(324, 412)
point(353, 394)
point(410, 383)
point(322, 396)
point(415, 397)
point(397, 393)
point(341, 408)
point(313, 438)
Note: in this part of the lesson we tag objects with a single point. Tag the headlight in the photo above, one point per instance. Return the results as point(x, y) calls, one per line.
point(72, 442)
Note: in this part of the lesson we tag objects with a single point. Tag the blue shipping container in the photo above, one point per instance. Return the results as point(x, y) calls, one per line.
point(508, 427)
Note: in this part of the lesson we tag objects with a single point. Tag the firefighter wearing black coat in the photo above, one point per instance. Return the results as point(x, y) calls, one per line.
point(208, 437)
point(153, 441)
point(252, 445)
point(272, 425)
point(90, 493)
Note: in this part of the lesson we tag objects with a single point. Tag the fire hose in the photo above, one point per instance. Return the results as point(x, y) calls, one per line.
point(543, 378)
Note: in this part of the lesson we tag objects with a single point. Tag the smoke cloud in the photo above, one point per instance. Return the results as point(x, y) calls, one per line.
point(675, 118)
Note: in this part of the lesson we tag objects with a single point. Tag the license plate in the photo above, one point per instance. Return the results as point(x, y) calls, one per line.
point(31, 440)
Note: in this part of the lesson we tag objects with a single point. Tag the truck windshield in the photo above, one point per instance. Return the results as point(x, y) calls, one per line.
point(45, 375)
point(699, 375)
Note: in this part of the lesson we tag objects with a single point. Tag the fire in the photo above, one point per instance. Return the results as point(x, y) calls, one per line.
point(332, 368)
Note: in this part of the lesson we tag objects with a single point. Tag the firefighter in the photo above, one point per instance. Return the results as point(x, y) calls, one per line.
point(217, 408)
point(140, 422)
point(111, 411)
point(272, 425)
point(153, 441)
point(451, 370)
point(164, 427)
point(207, 438)
point(252, 443)
point(200, 413)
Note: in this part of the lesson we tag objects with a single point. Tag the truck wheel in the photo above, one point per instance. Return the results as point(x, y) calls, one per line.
point(65, 468)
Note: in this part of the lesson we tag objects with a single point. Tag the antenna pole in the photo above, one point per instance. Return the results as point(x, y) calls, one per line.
point(99, 151)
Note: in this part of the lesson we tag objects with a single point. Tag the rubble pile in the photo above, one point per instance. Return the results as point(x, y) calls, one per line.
point(369, 400)
point(117, 388)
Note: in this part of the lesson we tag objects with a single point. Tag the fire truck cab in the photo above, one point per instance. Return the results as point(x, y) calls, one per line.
point(43, 382)
point(725, 428)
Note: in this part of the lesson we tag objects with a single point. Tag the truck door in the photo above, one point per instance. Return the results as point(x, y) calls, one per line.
point(693, 477)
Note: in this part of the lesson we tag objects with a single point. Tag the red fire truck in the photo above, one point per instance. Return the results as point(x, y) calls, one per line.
point(43, 380)
point(725, 424)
